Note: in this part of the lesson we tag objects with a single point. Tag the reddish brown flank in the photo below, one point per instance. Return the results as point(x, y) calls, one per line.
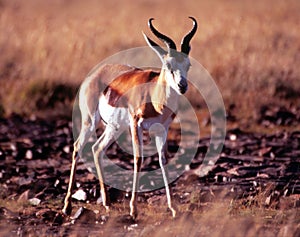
point(133, 89)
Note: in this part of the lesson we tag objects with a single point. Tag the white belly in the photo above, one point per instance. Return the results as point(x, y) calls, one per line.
point(117, 117)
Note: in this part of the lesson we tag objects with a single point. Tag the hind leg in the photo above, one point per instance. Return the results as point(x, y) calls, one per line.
point(86, 131)
point(109, 135)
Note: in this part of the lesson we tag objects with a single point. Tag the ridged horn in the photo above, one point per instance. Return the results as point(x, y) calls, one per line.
point(170, 43)
point(185, 44)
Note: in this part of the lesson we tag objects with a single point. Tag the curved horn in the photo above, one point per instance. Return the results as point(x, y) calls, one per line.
point(185, 44)
point(170, 43)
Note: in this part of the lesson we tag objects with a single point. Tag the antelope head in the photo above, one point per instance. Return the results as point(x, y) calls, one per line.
point(175, 64)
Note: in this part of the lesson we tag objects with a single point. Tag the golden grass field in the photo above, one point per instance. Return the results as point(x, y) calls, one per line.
point(251, 49)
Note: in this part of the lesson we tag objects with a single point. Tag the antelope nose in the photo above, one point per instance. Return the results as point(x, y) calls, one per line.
point(183, 85)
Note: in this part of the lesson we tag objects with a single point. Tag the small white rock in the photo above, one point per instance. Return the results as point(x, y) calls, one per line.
point(28, 155)
point(34, 201)
point(232, 137)
point(66, 149)
point(80, 195)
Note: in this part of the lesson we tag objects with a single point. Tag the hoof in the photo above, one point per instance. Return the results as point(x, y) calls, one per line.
point(107, 208)
point(67, 210)
point(133, 215)
point(173, 211)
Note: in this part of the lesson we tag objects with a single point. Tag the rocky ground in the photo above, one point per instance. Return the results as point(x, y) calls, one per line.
point(35, 158)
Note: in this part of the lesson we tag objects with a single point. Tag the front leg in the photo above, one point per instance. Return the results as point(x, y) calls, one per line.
point(161, 145)
point(137, 143)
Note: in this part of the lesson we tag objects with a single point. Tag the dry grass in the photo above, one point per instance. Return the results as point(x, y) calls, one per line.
point(218, 217)
point(251, 49)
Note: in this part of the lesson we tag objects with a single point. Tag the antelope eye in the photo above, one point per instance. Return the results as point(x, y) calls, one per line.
point(169, 67)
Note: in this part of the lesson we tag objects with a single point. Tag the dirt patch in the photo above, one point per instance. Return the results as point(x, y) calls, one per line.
point(255, 178)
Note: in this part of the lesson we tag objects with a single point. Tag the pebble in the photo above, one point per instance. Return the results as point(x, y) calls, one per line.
point(80, 195)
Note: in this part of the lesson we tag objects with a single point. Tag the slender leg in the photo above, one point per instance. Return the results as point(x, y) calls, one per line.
point(99, 148)
point(160, 140)
point(137, 143)
point(67, 209)
point(84, 135)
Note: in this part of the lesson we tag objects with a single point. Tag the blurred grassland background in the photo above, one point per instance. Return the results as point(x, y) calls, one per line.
point(251, 48)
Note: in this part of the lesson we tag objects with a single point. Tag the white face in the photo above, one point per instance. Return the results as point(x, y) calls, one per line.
point(176, 69)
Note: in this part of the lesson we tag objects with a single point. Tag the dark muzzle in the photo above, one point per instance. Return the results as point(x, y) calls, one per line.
point(183, 86)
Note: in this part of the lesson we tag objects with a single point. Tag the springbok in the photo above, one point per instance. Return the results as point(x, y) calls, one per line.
point(119, 106)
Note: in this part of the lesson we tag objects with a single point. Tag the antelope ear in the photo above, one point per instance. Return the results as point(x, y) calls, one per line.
point(155, 47)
